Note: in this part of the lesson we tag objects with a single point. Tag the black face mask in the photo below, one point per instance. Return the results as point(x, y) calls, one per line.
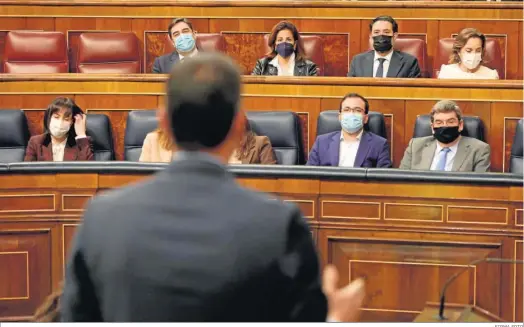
point(382, 43)
point(446, 134)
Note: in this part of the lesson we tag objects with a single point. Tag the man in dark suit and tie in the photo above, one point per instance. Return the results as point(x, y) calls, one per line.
point(190, 244)
point(383, 60)
point(352, 146)
point(183, 36)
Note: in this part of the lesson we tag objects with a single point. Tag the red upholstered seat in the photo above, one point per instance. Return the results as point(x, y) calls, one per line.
point(493, 58)
point(110, 53)
point(313, 47)
point(35, 52)
point(208, 42)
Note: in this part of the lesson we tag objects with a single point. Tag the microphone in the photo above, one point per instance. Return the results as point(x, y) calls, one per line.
point(452, 278)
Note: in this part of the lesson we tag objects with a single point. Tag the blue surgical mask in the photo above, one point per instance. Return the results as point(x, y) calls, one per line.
point(351, 122)
point(185, 42)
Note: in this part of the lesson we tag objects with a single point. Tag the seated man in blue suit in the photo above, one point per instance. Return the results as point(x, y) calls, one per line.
point(183, 35)
point(352, 146)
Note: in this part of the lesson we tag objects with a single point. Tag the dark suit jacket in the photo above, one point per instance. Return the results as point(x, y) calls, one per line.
point(302, 68)
point(191, 244)
point(163, 64)
point(373, 151)
point(40, 148)
point(402, 65)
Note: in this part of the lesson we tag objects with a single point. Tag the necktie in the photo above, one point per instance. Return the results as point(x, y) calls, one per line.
point(443, 156)
point(380, 69)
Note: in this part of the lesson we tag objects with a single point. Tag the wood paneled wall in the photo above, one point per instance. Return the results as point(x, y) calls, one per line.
point(342, 24)
point(498, 104)
point(405, 238)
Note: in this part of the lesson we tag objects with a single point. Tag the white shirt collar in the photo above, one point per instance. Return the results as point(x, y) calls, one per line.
point(453, 148)
point(388, 57)
point(195, 51)
point(359, 136)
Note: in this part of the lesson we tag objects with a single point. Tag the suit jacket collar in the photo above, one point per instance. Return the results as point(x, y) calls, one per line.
point(174, 57)
point(428, 152)
point(70, 150)
point(463, 150)
point(368, 63)
point(362, 152)
point(203, 162)
point(251, 153)
point(334, 149)
point(363, 149)
point(396, 64)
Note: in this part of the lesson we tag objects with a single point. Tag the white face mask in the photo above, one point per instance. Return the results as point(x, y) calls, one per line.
point(59, 128)
point(471, 60)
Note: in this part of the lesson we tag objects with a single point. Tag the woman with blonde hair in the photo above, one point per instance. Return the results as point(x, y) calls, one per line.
point(467, 58)
point(157, 147)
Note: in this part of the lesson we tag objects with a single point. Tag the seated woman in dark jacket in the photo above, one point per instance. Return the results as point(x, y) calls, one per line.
point(287, 57)
point(64, 137)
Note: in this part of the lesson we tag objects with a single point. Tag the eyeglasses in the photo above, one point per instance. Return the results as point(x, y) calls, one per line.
point(355, 110)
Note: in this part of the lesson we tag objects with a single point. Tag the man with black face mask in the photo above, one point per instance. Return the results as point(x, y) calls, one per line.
point(384, 61)
point(446, 149)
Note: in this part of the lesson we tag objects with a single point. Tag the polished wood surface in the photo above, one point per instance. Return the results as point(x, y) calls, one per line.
point(499, 104)
point(342, 24)
point(403, 237)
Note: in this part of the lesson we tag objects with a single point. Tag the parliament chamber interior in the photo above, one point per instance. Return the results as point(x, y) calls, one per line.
point(405, 231)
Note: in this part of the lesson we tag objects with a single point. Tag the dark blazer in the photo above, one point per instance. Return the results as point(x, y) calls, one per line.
point(260, 152)
point(302, 68)
point(402, 65)
point(163, 64)
point(40, 148)
point(190, 244)
point(373, 151)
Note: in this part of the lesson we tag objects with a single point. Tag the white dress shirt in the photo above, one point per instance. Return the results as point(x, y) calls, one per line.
point(449, 159)
point(290, 71)
point(453, 71)
point(348, 151)
point(58, 150)
point(192, 54)
point(376, 63)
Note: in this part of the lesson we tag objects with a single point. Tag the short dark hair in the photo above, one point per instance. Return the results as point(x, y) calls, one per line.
point(300, 53)
point(176, 21)
point(385, 19)
point(203, 95)
point(446, 106)
point(354, 95)
point(62, 103)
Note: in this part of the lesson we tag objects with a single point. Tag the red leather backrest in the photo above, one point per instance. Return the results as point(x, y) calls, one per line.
point(492, 59)
point(208, 42)
point(35, 52)
point(313, 47)
point(110, 53)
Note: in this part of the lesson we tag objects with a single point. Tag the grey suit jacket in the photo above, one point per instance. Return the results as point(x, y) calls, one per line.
point(163, 64)
point(190, 244)
point(402, 65)
point(472, 155)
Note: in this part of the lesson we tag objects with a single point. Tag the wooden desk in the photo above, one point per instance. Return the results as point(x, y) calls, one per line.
point(499, 103)
point(343, 25)
point(406, 232)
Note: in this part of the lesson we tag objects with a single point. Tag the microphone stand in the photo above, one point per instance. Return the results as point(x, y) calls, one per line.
point(457, 274)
